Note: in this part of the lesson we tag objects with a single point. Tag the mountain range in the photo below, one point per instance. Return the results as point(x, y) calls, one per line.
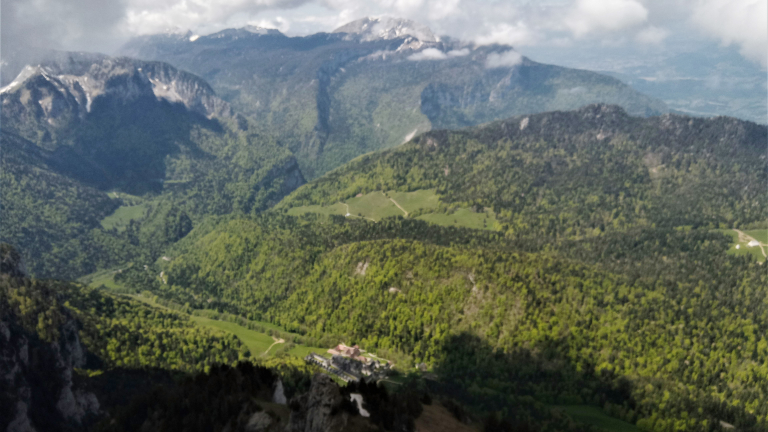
point(375, 83)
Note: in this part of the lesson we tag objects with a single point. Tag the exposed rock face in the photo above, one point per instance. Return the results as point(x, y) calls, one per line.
point(368, 29)
point(57, 91)
point(259, 422)
point(36, 386)
point(320, 409)
point(278, 396)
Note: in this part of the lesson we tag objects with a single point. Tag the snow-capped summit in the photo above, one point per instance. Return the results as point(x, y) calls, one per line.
point(369, 29)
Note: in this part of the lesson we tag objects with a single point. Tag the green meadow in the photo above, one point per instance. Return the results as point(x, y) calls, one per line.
point(379, 205)
point(123, 215)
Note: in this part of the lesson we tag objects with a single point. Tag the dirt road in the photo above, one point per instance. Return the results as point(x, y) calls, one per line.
point(398, 206)
point(746, 239)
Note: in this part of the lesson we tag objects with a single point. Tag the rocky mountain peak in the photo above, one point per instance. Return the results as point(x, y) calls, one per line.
point(71, 87)
point(369, 29)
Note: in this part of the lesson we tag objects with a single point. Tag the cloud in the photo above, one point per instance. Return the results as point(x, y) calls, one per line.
point(458, 53)
point(103, 25)
point(507, 34)
point(428, 54)
point(739, 22)
point(651, 35)
point(506, 59)
point(591, 16)
point(60, 24)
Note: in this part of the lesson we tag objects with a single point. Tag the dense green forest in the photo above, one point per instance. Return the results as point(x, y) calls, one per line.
point(604, 277)
point(666, 312)
point(150, 368)
point(118, 332)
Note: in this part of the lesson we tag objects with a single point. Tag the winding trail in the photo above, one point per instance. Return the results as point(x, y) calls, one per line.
point(743, 237)
point(351, 215)
point(398, 206)
point(277, 341)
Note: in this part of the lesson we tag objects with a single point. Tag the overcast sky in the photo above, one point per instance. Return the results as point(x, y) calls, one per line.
point(650, 25)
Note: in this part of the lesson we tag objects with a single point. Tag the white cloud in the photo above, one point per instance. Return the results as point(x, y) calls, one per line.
point(506, 59)
point(428, 54)
point(595, 16)
point(740, 22)
point(278, 23)
point(651, 35)
point(105, 24)
point(458, 53)
point(507, 34)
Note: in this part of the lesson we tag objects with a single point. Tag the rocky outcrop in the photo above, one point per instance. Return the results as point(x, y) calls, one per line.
point(36, 383)
point(58, 92)
point(368, 29)
point(37, 390)
point(319, 410)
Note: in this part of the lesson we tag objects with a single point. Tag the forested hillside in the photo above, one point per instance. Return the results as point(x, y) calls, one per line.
point(666, 312)
point(76, 358)
point(576, 173)
point(83, 138)
point(604, 283)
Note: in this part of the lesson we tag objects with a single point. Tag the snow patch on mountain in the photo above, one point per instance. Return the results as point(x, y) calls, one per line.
point(370, 29)
point(261, 30)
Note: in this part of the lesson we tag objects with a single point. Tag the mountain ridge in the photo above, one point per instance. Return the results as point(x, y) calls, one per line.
point(333, 96)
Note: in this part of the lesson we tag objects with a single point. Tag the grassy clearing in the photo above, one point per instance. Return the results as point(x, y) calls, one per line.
point(760, 235)
point(302, 351)
point(214, 315)
point(412, 201)
point(374, 205)
point(743, 249)
point(377, 205)
point(102, 277)
point(462, 218)
point(258, 343)
point(598, 418)
point(123, 215)
point(255, 341)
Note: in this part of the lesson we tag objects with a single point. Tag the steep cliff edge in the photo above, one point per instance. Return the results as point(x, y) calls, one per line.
point(37, 392)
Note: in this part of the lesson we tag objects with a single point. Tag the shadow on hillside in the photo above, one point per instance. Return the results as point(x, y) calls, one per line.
point(521, 386)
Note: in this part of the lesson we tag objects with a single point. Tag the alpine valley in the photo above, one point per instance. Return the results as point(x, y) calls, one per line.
point(374, 229)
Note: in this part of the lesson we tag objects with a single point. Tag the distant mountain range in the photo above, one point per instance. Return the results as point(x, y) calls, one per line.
point(375, 83)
